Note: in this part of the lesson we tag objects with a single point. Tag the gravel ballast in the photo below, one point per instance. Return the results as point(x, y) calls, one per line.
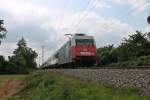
point(118, 77)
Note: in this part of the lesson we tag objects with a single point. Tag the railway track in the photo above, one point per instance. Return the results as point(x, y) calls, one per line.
point(139, 76)
point(143, 67)
point(71, 67)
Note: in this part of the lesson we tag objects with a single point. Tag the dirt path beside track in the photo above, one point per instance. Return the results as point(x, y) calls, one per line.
point(9, 87)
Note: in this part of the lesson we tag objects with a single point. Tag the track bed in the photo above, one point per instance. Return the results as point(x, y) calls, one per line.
point(139, 77)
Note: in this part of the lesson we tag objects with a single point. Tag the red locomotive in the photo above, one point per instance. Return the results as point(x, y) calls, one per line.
point(80, 49)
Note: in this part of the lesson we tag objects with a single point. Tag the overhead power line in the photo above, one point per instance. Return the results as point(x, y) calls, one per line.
point(82, 13)
point(121, 16)
point(63, 14)
point(9, 41)
point(130, 10)
point(95, 2)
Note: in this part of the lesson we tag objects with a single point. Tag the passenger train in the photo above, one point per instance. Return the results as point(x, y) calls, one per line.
point(79, 50)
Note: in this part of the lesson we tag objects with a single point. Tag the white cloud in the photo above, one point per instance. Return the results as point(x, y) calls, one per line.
point(100, 4)
point(138, 5)
point(147, 29)
point(96, 24)
point(6, 48)
point(23, 9)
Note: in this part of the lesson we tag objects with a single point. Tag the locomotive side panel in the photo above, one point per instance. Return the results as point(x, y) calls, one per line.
point(53, 60)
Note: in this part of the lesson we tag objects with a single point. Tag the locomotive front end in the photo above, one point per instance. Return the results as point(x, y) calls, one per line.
point(84, 50)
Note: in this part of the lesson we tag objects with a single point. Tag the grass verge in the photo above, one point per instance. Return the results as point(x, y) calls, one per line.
point(15, 77)
point(50, 85)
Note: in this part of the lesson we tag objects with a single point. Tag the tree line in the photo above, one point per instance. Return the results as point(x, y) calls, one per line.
point(22, 60)
point(133, 51)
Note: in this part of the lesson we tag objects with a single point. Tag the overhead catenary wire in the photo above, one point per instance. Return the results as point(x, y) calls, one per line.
point(60, 23)
point(95, 2)
point(12, 41)
point(82, 13)
point(63, 14)
point(131, 10)
point(128, 12)
point(8, 41)
point(119, 17)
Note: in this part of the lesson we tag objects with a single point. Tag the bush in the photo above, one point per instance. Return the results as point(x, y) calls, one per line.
point(11, 68)
point(141, 61)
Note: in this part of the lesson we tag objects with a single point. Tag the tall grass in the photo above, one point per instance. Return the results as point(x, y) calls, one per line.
point(49, 85)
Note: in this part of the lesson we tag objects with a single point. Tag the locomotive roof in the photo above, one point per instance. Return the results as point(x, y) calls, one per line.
point(83, 37)
point(80, 34)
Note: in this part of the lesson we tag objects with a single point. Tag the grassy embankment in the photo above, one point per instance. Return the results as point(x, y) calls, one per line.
point(54, 86)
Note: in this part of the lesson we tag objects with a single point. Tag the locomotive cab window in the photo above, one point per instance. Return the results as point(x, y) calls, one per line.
point(84, 42)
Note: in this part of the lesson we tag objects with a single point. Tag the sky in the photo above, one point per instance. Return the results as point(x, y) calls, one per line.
point(44, 22)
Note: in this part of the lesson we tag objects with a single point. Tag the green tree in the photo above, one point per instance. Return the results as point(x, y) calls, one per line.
point(23, 55)
point(123, 52)
point(148, 36)
point(107, 55)
point(18, 60)
point(2, 60)
point(3, 30)
point(136, 45)
point(30, 58)
point(148, 19)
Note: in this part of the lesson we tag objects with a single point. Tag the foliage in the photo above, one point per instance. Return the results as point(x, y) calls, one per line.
point(7, 67)
point(106, 55)
point(2, 59)
point(3, 30)
point(23, 55)
point(148, 19)
point(133, 47)
point(134, 62)
point(48, 85)
point(22, 62)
